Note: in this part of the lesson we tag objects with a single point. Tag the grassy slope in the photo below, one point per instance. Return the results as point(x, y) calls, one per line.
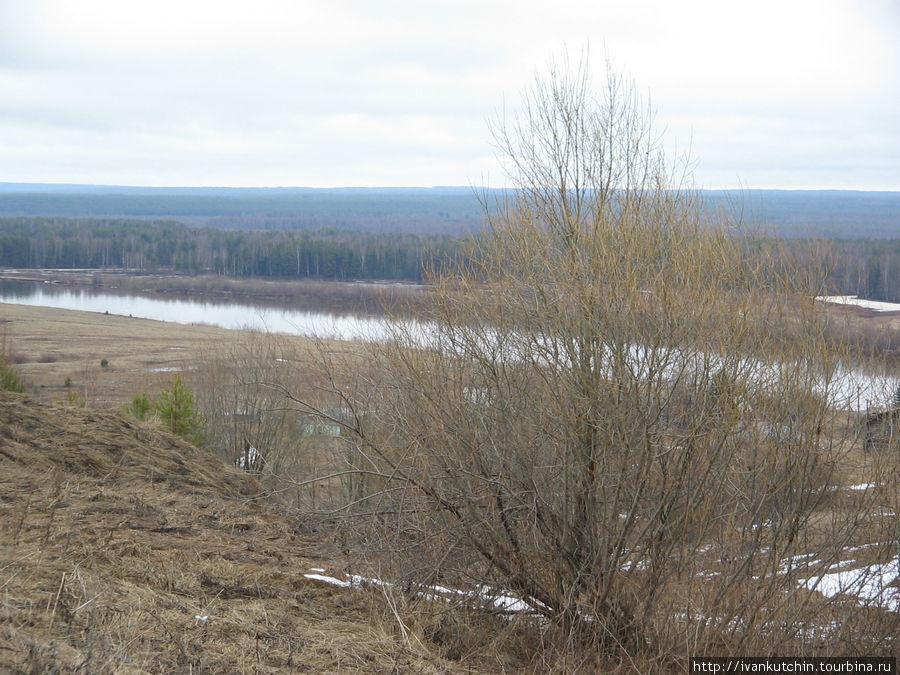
point(115, 536)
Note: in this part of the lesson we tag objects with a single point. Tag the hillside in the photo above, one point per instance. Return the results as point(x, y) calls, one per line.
point(124, 549)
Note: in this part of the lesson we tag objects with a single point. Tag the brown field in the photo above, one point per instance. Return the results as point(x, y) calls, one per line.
point(115, 536)
point(49, 345)
point(126, 550)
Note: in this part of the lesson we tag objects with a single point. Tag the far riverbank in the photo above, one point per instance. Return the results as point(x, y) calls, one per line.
point(338, 297)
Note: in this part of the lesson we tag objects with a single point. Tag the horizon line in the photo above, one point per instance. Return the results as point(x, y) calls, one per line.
point(410, 187)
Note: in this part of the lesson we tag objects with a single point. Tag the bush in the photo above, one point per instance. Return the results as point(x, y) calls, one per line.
point(178, 412)
point(140, 407)
point(74, 399)
point(176, 409)
point(10, 379)
point(600, 419)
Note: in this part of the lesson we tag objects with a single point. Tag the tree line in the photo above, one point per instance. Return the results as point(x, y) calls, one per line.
point(867, 267)
point(167, 245)
point(432, 210)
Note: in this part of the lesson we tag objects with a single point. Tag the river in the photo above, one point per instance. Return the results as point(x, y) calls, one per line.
point(851, 388)
point(225, 314)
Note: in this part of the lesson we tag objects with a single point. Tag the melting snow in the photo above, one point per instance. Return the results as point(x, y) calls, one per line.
point(861, 302)
point(871, 585)
point(329, 580)
point(498, 600)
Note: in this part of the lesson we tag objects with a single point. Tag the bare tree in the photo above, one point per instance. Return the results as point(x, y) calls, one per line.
point(247, 424)
point(614, 408)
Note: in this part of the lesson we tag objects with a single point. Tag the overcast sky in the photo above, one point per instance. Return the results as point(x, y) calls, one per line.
point(767, 94)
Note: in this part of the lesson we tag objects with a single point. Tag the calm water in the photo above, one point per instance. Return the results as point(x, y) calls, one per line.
point(224, 314)
point(850, 388)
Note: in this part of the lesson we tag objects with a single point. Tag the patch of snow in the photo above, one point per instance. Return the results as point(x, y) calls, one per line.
point(871, 585)
point(841, 565)
point(862, 486)
point(805, 560)
point(498, 600)
point(757, 526)
point(630, 565)
point(854, 549)
point(445, 590)
point(876, 305)
point(509, 603)
point(328, 580)
point(358, 581)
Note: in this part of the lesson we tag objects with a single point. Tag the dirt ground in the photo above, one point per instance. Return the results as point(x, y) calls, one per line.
point(125, 550)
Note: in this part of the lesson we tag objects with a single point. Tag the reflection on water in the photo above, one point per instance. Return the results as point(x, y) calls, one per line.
point(223, 314)
point(848, 388)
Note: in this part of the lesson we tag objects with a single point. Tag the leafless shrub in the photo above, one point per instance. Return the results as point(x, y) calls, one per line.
point(612, 411)
point(246, 390)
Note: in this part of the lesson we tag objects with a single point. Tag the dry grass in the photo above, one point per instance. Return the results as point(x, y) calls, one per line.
point(54, 344)
point(150, 534)
point(115, 537)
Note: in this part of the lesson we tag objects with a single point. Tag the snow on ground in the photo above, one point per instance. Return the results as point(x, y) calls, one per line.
point(329, 580)
point(862, 486)
point(489, 597)
point(871, 585)
point(861, 302)
point(805, 560)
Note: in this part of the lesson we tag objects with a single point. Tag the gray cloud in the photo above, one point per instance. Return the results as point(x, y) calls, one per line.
point(800, 94)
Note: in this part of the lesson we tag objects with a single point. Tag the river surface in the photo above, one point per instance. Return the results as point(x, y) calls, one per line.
point(225, 314)
point(850, 388)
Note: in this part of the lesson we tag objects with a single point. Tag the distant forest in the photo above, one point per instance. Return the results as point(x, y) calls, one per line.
point(165, 245)
point(869, 268)
point(445, 210)
point(376, 233)
point(866, 267)
point(417, 211)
